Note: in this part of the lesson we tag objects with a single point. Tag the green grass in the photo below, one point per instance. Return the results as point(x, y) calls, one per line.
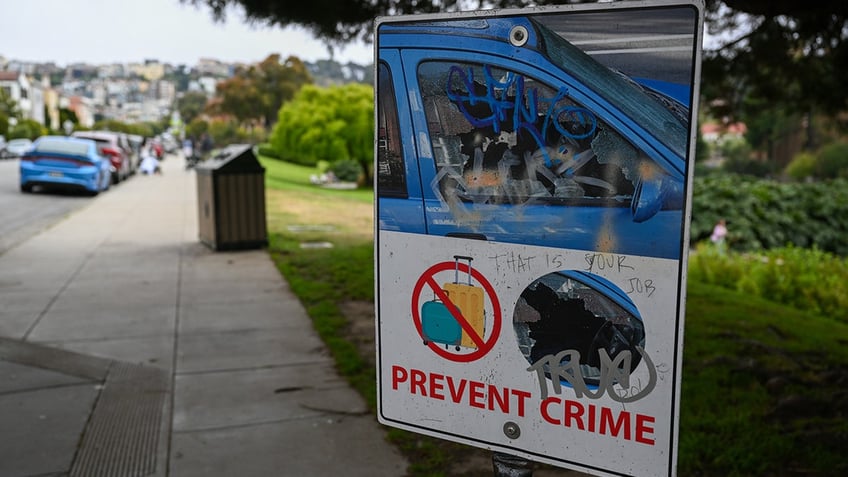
point(763, 384)
point(762, 388)
point(292, 177)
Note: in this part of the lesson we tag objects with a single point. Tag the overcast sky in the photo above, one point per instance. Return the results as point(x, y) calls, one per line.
point(125, 31)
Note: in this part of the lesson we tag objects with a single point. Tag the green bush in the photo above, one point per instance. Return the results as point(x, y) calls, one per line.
point(709, 264)
point(749, 167)
point(832, 161)
point(27, 128)
point(266, 150)
point(346, 171)
point(802, 166)
point(764, 214)
point(4, 125)
point(807, 279)
point(332, 124)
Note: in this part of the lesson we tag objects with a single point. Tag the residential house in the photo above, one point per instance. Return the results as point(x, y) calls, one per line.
point(29, 95)
point(83, 108)
point(16, 86)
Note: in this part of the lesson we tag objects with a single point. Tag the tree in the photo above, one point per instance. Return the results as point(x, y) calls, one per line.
point(66, 114)
point(256, 93)
point(786, 50)
point(191, 104)
point(27, 128)
point(327, 124)
point(8, 108)
point(775, 58)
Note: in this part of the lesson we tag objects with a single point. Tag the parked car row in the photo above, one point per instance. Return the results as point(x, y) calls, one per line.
point(14, 148)
point(86, 161)
point(115, 147)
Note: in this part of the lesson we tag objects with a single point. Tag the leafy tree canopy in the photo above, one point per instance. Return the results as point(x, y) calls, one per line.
point(327, 124)
point(785, 51)
point(781, 54)
point(191, 104)
point(8, 106)
point(256, 92)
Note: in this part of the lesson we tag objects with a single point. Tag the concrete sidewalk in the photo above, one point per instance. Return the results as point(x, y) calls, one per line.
point(128, 348)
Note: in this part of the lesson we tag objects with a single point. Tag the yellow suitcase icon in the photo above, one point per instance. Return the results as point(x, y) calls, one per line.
point(469, 300)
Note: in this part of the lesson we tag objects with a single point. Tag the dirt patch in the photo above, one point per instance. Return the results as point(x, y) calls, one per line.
point(360, 328)
point(349, 218)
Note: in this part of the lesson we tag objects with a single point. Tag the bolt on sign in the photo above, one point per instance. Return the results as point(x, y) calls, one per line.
point(534, 173)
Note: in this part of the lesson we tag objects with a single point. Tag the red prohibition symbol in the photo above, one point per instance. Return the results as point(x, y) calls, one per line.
point(484, 344)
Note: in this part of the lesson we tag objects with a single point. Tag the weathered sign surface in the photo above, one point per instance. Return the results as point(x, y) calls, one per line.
point(533, 171)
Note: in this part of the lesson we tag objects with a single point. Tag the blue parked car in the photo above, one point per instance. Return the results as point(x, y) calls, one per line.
point(59, 162)
point(499, 129)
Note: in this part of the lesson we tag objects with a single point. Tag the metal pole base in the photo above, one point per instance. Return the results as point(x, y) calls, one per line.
point(506, 465)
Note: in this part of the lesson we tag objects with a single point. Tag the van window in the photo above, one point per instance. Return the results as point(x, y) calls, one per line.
point(670, 127)
point(391, 173)
point(500, 136)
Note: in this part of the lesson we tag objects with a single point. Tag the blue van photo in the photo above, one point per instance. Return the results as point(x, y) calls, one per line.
point(499, 129)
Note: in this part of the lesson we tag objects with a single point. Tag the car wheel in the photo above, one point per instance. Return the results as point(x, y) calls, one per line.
point(27, 188)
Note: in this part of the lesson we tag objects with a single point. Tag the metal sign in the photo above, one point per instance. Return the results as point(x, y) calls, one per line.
point(533, 179)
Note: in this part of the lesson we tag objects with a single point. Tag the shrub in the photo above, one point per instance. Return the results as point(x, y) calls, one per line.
point(833, 161)
point(709, 264)
point(764, 214)
point(802, 166)
point(807, 279)
point(4, 125)
point(332, 124)
point(27, 128)
point(346, 171)
point(267, 150)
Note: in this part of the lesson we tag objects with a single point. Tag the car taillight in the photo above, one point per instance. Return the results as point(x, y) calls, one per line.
point(111, 152)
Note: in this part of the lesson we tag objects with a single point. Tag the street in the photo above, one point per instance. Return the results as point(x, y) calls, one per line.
point(24, 215)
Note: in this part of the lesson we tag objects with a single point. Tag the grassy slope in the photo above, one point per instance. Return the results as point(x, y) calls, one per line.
point(762, 388)
point(762, 383)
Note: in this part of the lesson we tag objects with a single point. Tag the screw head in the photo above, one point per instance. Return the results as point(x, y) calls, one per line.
point(519, 35)
point(512, 430)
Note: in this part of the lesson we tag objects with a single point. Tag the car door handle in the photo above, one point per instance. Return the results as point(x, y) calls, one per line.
point(466, 235)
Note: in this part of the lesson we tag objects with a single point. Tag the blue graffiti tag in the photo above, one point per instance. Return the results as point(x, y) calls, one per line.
point(518, 113)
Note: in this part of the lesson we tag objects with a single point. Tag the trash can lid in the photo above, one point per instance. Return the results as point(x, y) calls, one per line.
point(235, 159)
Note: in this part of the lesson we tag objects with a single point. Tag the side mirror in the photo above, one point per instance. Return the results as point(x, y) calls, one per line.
point(653, 194)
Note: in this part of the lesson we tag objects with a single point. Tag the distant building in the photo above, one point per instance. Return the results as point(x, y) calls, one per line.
point(84, 109)
point(715, 132)
point(115, 70)
point(51, 104)
point(150, 70)
point(80, 72)
point(206, 84)
point(28, 95)
point(166, 91)
point(16, 86)
point(213, 67)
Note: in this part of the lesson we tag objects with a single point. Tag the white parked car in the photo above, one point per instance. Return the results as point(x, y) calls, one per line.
point(16, 147)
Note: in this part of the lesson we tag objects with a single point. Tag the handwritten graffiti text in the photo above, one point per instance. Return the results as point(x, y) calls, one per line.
point(614, 371)
point(507, 105)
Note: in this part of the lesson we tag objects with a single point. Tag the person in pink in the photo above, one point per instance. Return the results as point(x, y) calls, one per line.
point(719, 234)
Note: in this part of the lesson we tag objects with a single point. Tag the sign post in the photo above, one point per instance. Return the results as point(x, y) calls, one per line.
point(533, 190)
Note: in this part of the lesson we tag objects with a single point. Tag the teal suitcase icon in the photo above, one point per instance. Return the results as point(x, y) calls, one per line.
point(439, 326)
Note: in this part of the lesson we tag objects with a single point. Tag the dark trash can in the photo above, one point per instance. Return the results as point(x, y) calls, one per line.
point(231, 200)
